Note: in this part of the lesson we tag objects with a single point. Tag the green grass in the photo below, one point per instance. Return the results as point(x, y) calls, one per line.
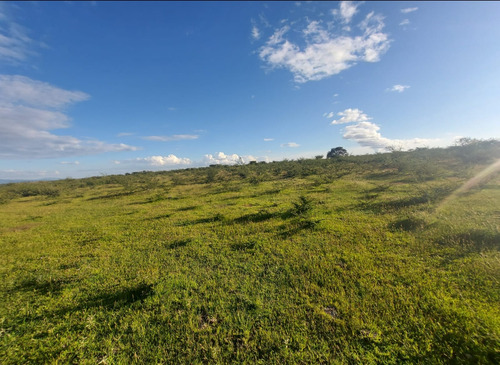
point(362, 259)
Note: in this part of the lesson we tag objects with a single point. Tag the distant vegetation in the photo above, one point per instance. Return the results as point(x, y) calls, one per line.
point(389, 258)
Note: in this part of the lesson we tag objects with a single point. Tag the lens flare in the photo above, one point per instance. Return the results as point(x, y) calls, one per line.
point(481, 176)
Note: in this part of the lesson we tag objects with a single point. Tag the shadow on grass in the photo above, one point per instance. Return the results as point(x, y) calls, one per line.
point(267, 192)
point(152, 199)
point(161, 216)
point(109, 300)
point(408, 224)
point(244, 246)
point(114, 300)
point(216, 218)
point(109, 196)
point(474, 240)
point(185, 209)
point(432, 197)
point(178, 243)
point(260, 216)
point(44, 287)
point(296, 227)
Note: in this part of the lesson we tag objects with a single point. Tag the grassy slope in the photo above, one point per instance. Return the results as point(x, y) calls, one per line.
point(228, 264)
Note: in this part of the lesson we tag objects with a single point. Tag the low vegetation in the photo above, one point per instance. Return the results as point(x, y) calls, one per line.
point(379, 259)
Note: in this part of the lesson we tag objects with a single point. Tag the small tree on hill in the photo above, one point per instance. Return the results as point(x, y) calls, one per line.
point(337, 152)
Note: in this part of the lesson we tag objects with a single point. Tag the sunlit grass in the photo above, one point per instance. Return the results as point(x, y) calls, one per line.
point(312, 261)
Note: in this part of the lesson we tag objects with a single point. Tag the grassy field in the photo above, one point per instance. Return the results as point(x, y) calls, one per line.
point(386, 258)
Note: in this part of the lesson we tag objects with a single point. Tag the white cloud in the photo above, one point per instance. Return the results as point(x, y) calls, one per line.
point(165, 160)
point(29, 110)
point(156, 161)
point(14, 41)
point(326, 53)
point(255, 33)
point(329, 115)
point(28, 175)
point(268, 139)
point(399, 88)
point(175, 137)
point(367, 134)
point(347, 10)
point(69, 162)
point(408, 10)
point(405, 22)
point(21, 89)
point(350, 116)
point(290, 144)
point(220, 158)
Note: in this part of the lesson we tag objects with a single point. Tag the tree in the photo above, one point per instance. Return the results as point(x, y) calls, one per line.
point(337, 152)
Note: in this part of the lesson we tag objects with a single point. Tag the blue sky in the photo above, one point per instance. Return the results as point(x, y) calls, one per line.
point(103, 88)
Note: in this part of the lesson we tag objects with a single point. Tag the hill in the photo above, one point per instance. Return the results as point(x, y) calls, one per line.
point(388, 258)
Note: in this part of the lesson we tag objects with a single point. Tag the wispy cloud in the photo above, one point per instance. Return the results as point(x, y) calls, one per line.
point(20, 89)
point(405, 22)
point(124, 134)
point(255, 33)
point(367, 134)
point(175, 137)
point(268, 139)
point(69, 162)
point(29, 175)
point(326, 53)
point(15, 44)
point(290, 144)
point(29, 110)
point(350, 116)
point(408, 10)
point(399, 88)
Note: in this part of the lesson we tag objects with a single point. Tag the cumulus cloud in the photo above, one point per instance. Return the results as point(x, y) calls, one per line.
point(408, 10)
point(220, 158)
point(290, 144)
point(326, 53)
point(367, 134)
point(350, 116)
point(164, 160)
point(399, 88)
point(175, 137)
point(347, 10)
point(155, 161)
point(30, 110)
